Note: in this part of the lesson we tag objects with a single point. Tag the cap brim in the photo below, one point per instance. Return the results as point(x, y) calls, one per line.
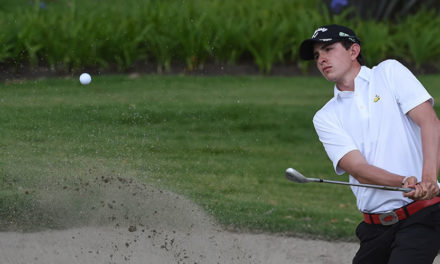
point(307, 46)
point(306, 49)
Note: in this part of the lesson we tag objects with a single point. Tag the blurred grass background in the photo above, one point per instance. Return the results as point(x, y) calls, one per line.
point(225, 142)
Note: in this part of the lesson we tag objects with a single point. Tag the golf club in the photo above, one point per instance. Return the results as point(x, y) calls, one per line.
point(295, 176)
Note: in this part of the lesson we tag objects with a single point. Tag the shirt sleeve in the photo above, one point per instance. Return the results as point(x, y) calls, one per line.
point(336, 141)
point(408, 91)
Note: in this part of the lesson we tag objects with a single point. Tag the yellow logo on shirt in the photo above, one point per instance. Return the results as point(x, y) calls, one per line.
point(377, 98)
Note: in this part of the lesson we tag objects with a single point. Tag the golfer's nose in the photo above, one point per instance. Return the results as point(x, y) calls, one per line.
point(321, 58)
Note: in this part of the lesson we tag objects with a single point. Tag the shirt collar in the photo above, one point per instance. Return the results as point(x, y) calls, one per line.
point(364, 75)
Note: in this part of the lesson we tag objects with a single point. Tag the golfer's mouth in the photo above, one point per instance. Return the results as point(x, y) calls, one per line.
point(326, 69)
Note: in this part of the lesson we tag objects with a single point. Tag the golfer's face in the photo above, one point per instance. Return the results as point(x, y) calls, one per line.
point(332, 60)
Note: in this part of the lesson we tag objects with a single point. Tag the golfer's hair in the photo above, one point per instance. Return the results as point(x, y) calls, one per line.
point(347, 44)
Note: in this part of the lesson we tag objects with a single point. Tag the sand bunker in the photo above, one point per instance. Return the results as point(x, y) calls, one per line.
point(135, 223)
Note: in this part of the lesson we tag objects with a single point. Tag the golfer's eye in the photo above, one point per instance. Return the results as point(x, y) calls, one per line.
point(316, 56)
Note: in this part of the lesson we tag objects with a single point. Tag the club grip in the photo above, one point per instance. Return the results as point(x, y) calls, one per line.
point(407, 190)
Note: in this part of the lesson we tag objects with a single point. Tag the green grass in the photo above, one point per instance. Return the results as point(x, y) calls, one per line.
point(224, 142)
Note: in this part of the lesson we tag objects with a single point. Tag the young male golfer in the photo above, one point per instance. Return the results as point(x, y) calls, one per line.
point(380, 127)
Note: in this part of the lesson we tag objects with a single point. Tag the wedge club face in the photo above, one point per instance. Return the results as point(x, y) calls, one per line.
point(295, 176)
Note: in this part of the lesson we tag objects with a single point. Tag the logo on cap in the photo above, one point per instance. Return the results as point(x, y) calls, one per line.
point(319, 30)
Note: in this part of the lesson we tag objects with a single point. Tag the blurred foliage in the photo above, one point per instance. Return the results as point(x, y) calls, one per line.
point(380, 10)
point(69, 35)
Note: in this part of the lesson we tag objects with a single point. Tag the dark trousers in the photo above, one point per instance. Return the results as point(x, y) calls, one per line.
point(415, 240)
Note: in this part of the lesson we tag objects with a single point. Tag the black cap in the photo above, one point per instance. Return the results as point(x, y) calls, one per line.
point(326, 34)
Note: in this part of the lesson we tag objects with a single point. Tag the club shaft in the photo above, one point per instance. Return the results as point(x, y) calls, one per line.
point(381, 187)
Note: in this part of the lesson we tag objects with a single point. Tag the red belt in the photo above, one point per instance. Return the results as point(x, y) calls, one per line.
point(399, 214)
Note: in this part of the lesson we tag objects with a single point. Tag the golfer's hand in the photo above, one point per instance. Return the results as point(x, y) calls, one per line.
point(424, 190)
point(410, 181)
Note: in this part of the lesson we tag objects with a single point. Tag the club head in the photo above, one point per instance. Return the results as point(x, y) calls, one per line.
point(295, 176)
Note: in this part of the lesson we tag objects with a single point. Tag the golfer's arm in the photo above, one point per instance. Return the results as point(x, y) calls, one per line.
point(357, 166)
point(425, 117)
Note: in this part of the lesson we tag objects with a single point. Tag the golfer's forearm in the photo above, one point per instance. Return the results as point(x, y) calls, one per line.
point(426, 118)
point(357, 166)
point(369, 174)
point(430, 146)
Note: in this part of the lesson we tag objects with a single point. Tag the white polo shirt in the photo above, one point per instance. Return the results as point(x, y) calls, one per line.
point(373, 120)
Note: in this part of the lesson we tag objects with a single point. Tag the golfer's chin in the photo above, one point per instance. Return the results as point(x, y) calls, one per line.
point(329, 76)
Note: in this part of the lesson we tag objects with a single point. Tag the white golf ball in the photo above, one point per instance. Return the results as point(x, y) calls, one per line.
point(85, 78)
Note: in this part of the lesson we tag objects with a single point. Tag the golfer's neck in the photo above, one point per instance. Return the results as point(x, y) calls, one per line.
point(346, 83)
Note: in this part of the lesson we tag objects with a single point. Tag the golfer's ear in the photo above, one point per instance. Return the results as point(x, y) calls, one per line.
point(355, 49)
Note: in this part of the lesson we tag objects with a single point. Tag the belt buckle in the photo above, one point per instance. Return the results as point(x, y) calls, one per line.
point(389, 218)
